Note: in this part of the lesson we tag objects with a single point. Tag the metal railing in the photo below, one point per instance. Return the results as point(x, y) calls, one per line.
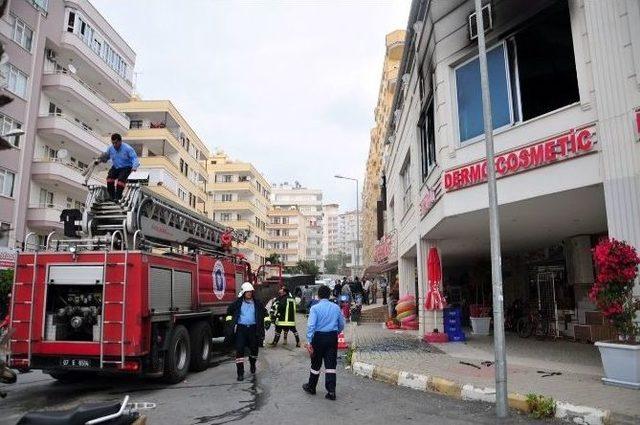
point(64, 71)
point(70, 165)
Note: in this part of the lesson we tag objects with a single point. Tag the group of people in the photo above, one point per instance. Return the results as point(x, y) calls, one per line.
point(247, 319)
point(366, 288)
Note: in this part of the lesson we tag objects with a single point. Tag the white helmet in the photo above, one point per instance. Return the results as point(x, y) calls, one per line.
point(247, 286)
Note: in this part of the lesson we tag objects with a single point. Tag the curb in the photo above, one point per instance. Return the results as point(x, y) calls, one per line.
point(564, 411)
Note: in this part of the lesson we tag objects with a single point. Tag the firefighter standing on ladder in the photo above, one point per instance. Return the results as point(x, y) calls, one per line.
point(283, 313)
point(124, 160)
point(246, 320)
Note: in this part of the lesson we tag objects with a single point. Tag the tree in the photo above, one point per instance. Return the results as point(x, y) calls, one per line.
point(335, 263)
point(305, 267)
point(6, 281)
point(273, 258)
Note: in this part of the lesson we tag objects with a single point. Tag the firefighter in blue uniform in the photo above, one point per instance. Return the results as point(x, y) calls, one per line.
point(246, 322)
point(283, 314)
point(124, 160)
point(324, 324)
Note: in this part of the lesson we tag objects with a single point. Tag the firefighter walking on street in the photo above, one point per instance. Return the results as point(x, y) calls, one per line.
point(283, 314)
point(324, 324)
point(245, 322)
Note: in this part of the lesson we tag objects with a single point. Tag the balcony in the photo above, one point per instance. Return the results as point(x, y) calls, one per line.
point(67, 177)
point(66, 86)
point(44, 217)
point(163, 162)
point(233, 187)
point(62, 127)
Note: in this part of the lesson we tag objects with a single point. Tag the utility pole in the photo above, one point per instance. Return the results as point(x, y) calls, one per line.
point(494, 226)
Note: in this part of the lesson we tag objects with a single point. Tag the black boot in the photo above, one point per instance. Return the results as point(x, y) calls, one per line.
point(240, 368)
point(297, 339)
point(111, 189)
point(119, 190)
point(307, 389)
point(252, 363)
point(276, 338)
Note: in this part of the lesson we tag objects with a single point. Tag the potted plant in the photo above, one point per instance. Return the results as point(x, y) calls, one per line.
point(480, 319)
point(617, 268)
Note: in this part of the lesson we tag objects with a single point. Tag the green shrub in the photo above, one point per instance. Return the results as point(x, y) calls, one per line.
point(541, 406)
point(348, 356)
point(6, 281)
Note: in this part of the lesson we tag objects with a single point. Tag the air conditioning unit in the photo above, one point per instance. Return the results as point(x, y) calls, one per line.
point(487, 20)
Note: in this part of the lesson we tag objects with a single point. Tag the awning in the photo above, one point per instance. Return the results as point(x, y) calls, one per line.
point(380, 268)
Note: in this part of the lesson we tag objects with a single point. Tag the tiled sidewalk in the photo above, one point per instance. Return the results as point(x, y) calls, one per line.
point(578, 364)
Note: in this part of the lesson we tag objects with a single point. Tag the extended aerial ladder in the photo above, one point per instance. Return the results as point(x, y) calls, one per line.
point(143, 219)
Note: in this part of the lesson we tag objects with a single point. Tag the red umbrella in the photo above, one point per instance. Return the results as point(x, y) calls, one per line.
point(434, 299)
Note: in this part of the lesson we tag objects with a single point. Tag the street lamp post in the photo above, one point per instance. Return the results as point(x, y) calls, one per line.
point(357, 256)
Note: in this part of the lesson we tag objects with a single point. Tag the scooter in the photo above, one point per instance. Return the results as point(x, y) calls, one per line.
point(123, 413)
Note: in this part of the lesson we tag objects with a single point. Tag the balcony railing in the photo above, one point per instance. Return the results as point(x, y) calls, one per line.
point(89, 42)
point(63, 71)
point(70, 119)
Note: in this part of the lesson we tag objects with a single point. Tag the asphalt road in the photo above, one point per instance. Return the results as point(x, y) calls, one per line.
point(214, 397)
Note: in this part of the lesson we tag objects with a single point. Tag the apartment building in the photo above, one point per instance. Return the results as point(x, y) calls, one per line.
point(349, 241)
point(169, 150)
point(65, 67)
point(330, 229)
point(372, 203)
point(309, 202)
point(239, 196)
point(565, 95)
point(287, 234)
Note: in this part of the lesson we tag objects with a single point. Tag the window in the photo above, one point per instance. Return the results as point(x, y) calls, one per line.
point(531, 73)
point(405, 176)
point(22, 34)
point(40, 4)
point(46, 199)
point(427, 139)
point(71, 21)
point(4, 234)
point(134, 124)
point(182, 194)
point(226, 178)
point(54, 110)
point(226, 197)
point(6, 182)
point(16, 80)
point(6, 125)
point(225, 217)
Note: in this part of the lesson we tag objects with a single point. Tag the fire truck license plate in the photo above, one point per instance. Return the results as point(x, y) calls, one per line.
point(80, 363)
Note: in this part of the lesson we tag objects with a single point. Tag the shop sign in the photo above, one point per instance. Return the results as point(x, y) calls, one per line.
point(385, 250)
point(571, 144)
point(7, 258)
point(428, 200)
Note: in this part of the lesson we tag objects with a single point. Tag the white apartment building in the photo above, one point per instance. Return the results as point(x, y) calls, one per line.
point(330, 229)
point(287, 234)
point(349, 242)
point(565, 81)
point(239, 196)
point(309, 202)
point(66, 65)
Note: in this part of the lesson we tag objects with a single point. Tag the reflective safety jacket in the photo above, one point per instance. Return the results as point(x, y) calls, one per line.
point(283, 311)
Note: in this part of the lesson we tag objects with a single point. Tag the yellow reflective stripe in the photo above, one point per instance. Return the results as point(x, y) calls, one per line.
point(266, 319)
point(228, 318)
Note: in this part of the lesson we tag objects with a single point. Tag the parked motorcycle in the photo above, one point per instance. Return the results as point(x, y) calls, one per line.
point(123, 413)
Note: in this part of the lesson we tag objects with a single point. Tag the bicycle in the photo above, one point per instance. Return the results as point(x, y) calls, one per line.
point(536, 322)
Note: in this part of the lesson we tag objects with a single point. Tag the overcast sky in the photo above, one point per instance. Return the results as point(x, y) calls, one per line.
point(290, 86)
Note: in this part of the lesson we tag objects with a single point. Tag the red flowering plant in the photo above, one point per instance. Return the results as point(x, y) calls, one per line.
point(617, 268)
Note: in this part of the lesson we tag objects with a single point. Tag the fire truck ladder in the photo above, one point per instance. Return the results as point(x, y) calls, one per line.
point(108, 305)
point(154, 219)
point(29, 302)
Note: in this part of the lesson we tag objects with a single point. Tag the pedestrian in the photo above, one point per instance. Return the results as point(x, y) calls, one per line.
point(374, 292)
point(367, 290)
point(324, 324)
point(307, 295)
point(383, 288)
point(394, 296)
point(284, 311)
point(246, 319)
point(337, 289)
point(357, 288)
point(124, 160)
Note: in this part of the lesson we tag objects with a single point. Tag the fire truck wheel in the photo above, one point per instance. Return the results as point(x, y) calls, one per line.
point(178, 356)
point(200, 346)
point(69, 377)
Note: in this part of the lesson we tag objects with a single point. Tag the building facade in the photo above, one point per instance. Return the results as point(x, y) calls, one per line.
point(239, 196)
point(371, 199)
point(565, 95)
point(330, 229)
point(286, 230)
point(169, 150)
point(309, 202)
point(66, 65)
point(349, 242)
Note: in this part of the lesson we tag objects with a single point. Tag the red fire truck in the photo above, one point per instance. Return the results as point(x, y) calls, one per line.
point(139, 286)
